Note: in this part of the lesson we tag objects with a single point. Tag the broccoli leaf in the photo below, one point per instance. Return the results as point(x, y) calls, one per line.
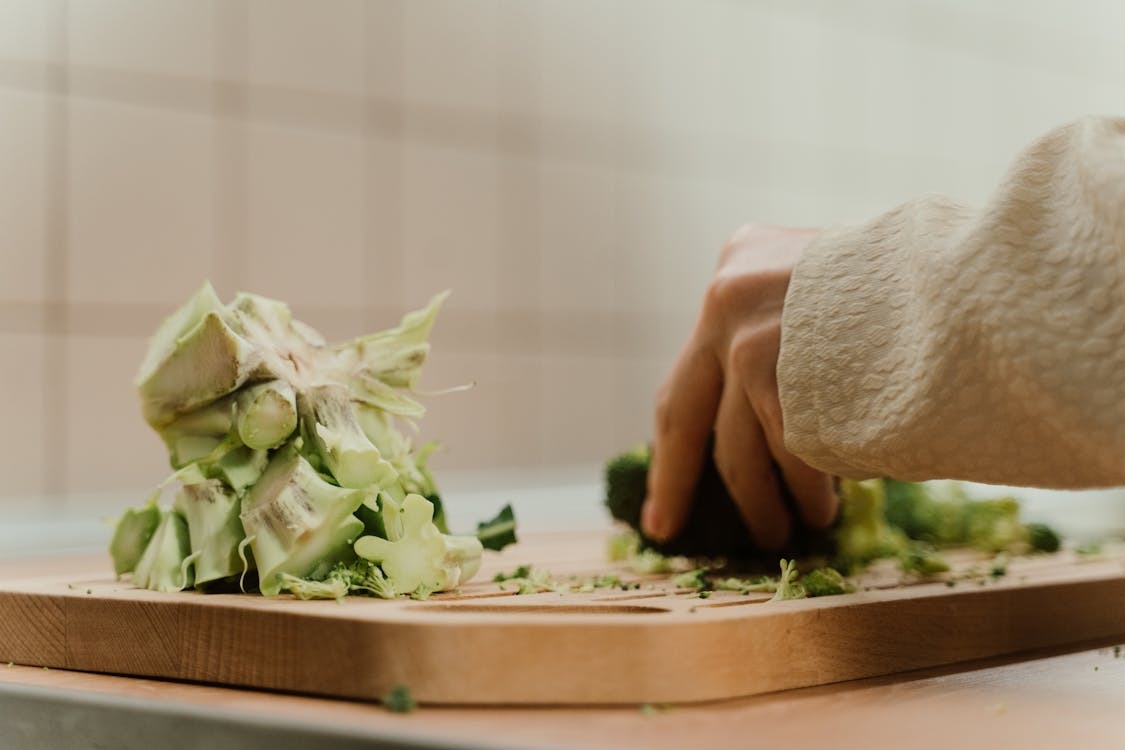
point(499, 532)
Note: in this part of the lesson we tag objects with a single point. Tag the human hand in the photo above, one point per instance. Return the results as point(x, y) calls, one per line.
point(725, 380)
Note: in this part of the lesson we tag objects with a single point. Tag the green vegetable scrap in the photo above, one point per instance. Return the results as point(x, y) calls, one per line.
point(880, 518)
point(864, 534)
point(398, 700)
point(788, 586)
point(922, 560)
point(292, 465)
point(825, 582)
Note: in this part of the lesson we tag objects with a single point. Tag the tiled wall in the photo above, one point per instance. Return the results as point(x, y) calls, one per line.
point(568, 167)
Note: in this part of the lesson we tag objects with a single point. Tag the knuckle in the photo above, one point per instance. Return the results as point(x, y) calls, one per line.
point(723, 294)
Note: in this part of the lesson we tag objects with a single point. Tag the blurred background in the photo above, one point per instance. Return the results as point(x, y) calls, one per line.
point(569, 168)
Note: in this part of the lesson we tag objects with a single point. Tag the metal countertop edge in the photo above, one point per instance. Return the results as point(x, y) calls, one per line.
point(33, 717)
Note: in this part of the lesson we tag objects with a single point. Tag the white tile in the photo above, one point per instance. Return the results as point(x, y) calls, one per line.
point(109, 447)
point(141, 195)
point(449, 225)
point(171, 36)
point(23, 29)
point(580, 68)
point(305, 226)
point(299, 44)
point(383, 47)
point(22, 402)
point(578, 408)
point(669, 244)
point(635, 381)
point(22, 201)
point(519, 411)
point(673, 73)
point(578, 238)
point(450, 50)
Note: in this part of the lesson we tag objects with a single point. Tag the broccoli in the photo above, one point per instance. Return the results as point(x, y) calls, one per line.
point(132, 534)
point(864, 534)
point(714, 526)
point(942, 514)
point(693, 579)
point(415, 554)
point(291, 467)
point(1043, 538)
point(162, 565)
point(788, 586)
point(922, 560)
point(825, 582)
point(497, 533)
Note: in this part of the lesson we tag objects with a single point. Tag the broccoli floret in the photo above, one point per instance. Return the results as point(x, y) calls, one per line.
point(825, 582)
point(1043, 538)
point(415, 554)
point(787, 585)
point(864, 534)
point(714, 526)
point(994, 525)
point(623, 546)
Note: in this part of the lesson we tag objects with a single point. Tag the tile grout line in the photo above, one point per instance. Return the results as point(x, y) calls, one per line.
point(57, 251)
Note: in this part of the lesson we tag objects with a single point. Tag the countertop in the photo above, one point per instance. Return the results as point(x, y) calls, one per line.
point(1040, 700)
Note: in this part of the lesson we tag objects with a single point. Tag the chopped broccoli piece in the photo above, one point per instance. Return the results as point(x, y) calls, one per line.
point(132, 534)
point(399, 700)
point(864, 534)
point(303, 588)
point(825, 582)
point(297, 523)
point(787, 584)
point(623, 545)
point(650, 562)
point(499, 532)
point(415, 554)
point(921, 559)
point(522, 571)
point(162, 566)
point(693, 579)
point(1043, 538)
point(999, 566)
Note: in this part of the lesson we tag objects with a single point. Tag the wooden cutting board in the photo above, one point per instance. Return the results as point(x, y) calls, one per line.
point(482, 645)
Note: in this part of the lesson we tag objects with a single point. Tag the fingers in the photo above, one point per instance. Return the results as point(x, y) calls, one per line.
point(811, 490)
point(743, 460)
point(685, 414)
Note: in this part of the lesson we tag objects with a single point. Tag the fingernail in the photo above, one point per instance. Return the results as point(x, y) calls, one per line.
point(651, 521)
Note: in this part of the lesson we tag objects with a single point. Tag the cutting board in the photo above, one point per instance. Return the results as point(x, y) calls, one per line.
point(482, 645)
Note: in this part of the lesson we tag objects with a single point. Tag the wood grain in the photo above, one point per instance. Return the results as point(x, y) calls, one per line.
point(481, 646)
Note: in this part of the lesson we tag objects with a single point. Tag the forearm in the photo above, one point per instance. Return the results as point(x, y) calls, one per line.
point(938, 341)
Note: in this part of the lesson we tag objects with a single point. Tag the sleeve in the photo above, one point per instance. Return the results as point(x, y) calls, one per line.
point(938, 341)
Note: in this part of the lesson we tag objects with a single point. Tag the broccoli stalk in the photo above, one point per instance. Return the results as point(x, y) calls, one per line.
point(296, 522)
point(210, 509)
point(267, 414)
point(788, 586)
